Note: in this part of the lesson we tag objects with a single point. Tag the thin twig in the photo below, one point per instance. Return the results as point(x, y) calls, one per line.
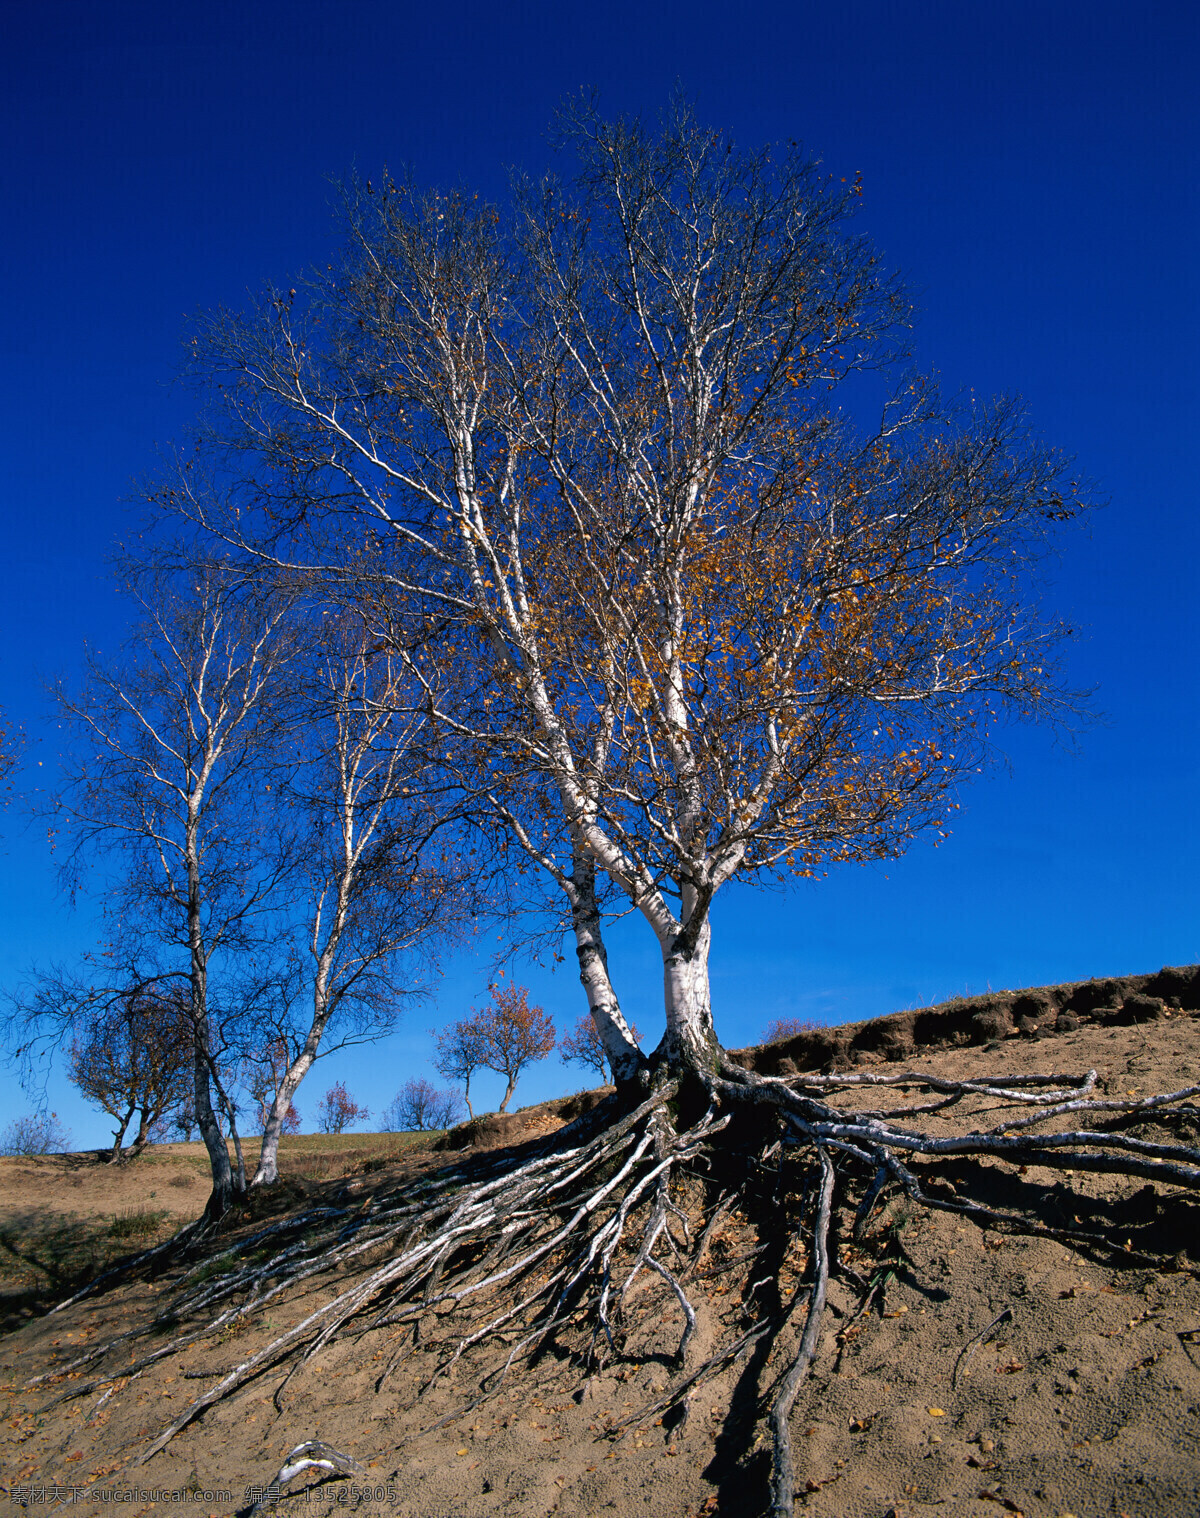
point(972, 1344)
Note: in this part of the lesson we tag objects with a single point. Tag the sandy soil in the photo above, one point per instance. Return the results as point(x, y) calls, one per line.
point(1084, 1398)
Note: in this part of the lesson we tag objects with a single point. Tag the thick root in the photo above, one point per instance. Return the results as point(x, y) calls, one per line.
point(521, 1249)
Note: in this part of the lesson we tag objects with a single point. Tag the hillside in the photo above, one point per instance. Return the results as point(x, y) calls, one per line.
point(963, 1370)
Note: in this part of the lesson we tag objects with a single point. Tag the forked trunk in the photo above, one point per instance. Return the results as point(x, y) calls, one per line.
point(142, 1138)
point(115, 1156)
point(625, 1059)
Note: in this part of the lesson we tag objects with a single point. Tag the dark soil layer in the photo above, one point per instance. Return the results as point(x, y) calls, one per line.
point(964, 1021)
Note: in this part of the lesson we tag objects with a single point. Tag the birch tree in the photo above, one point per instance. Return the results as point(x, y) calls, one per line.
point(729, 595)
point(167, 794)
point(384, 879)
point(733, 631)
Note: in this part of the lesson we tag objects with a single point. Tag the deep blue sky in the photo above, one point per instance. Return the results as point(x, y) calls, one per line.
point(1030, 167)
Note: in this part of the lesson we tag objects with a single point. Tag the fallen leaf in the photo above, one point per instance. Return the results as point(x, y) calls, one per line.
point(935, 1412)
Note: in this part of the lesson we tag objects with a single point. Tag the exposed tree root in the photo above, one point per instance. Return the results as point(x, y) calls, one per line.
point(524, 1249)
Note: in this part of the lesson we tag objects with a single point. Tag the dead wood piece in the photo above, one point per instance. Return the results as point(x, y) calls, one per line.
point(313, 1454)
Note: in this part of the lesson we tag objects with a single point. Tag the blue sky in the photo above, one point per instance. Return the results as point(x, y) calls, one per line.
point(1032, 170)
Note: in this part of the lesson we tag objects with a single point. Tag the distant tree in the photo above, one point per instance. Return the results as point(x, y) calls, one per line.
point(787, 1027)
point(584, 1046)
point(132, 1055)
point(182, 1124)
point(264, 1081)
point(338, 1109)
point(512, 1035)
point(35, 1134)
point(419, 1106)
point(460, 1052)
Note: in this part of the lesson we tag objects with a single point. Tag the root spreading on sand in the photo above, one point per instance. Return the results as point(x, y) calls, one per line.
point(563, 1240)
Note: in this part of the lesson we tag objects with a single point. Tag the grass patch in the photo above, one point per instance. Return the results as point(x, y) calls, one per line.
point(330, 1156)
point(136, 1223)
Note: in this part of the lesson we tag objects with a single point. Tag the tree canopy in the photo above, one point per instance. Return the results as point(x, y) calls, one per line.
point(724, 590)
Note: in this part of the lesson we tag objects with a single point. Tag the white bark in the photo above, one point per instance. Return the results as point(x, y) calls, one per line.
point(662, 446)
point(175, 737)
point(267, 1171)
point(690, 1038)
point(620, 1047)
point(369, 780)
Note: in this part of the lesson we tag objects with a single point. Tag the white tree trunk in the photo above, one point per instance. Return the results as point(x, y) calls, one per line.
point(221, 1198)
point(690, 1039)
point(624, 1057)
point(268, 1172)
point(268, 1158)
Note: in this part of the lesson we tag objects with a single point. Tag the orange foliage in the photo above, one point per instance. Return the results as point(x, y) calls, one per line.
point(504, 1037)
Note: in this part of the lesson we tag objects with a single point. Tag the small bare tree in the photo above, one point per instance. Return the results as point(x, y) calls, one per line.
point(787, 1027)
point(419, 1106)
point(584, 1046)
point(168, 787)
point(36, 1133)
point(459, 1054)
point(383, 878)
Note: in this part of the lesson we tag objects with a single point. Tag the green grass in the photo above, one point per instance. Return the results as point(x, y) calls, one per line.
point(137, 1223)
